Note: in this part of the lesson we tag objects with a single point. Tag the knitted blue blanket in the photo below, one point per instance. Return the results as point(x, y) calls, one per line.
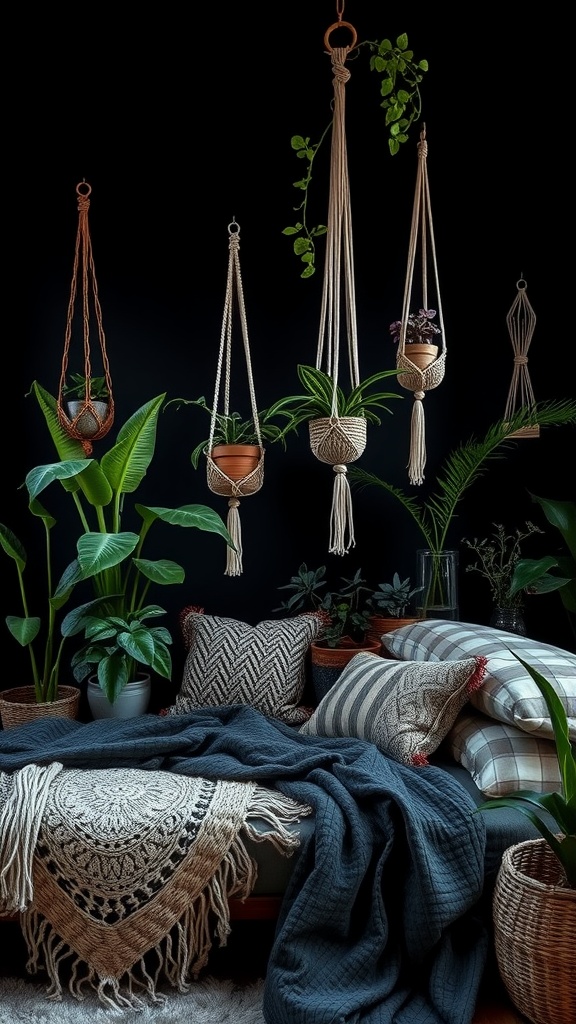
point(378, 925)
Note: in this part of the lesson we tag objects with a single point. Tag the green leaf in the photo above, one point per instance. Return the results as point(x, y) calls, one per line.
point(199, 517)
point(100, 551)
point(290, 231)
point(402, 41)
point(12, 546)
point(302, 245)
point(297, 142)
point(162, 571)
point(386, 86)
point(24, 630)
point(126, 464)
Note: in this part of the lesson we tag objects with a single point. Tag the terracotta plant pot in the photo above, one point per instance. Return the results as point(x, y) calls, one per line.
point(236, 460)
point(328, 662)
point(18, 705)
point(421, 354)
point(380, 624)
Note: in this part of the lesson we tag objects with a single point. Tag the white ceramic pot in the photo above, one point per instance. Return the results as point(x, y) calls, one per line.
point(132, 701)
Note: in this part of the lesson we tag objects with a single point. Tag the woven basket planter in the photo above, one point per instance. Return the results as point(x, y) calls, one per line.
point(18, 705)
point(535, 933)
point(338, 441)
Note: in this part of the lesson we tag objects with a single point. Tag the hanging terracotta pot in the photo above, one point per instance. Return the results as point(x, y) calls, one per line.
point(236, 460)
point(421, 354)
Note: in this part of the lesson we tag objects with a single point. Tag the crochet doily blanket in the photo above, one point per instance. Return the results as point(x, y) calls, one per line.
point(121, 875)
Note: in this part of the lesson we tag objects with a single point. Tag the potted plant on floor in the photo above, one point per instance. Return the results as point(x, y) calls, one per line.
point(346, 621)
point(107, 555)
point(388, 606)
point(535, 894)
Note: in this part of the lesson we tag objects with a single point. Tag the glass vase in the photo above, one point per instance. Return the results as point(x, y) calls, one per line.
point(509, 619)
point(437, 574)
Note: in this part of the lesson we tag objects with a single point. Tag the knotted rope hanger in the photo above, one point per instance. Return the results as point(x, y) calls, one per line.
point(417, 379)
point(218, 481)
point(87, 423)
point(521, 321)
point(339, 440)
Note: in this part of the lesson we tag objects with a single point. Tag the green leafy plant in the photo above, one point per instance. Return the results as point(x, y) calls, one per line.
point(392, 598)
point(498, 556)
point(75, 388)
point(461, 468)
point(560, 806)
point(316, 402)
point(401, 99)
point(232, 428)
point(538, 576)
point(105, 554)
point(341, 609)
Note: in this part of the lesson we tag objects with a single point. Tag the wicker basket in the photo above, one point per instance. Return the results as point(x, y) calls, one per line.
point(535, 933)
point(19, 705)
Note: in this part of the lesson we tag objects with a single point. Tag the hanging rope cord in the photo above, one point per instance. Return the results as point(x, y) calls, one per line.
point(338, 441)
point(417, 380)
point(233, 280)
point(84, 260)
point(521, 321)
point(218, 482)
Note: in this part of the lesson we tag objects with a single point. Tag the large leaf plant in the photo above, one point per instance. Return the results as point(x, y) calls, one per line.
point(118, 640)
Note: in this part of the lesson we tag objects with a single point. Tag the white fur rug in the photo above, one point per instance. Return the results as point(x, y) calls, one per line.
point(210, 1001)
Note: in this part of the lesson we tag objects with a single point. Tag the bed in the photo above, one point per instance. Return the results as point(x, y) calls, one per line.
point(126, 844)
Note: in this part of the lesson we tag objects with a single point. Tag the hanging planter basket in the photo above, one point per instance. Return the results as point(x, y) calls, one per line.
point(234, 471)
point(86, 418)
point(337, 439)
point(422, 362)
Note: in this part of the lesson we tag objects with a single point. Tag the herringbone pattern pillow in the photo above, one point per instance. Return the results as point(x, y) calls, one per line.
point(232, 662)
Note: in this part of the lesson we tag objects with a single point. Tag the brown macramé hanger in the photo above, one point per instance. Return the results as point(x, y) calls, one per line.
point(87, 424)
point(521, 321)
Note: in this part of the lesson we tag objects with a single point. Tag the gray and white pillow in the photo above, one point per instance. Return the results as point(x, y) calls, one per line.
point(508, 694)
point(501, 758)
point(232, 662)
point(404, 708)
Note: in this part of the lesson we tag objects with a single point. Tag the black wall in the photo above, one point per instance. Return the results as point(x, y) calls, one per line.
point(181, 123)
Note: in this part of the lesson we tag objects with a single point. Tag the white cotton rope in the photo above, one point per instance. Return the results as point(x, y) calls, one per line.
point(421, 233)
point(341, 515)
point(234, 555)
point(20, 820)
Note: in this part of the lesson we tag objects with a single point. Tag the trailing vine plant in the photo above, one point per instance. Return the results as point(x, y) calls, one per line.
point(400, 89)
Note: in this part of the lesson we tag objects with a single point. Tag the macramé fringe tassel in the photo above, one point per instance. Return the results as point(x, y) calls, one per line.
point(20, 822)
point(417, 459)
point(234, 557)
point(341, 516)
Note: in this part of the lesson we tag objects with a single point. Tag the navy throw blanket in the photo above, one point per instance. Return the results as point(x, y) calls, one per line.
point(378, 925)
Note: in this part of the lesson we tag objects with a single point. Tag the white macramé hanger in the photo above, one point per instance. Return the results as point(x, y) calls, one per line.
point(336, 440)
point(218, 482)
point(414, 379)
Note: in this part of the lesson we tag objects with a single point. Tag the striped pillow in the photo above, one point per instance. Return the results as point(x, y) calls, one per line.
point(232, 662)
point(405, 708)
point(502, 759)
point(508, 693)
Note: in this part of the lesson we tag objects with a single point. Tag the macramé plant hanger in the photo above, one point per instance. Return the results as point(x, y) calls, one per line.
point(521, 321)
point(420, 376)
point(87, 419)
point(221, 480)
point(338, 440)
